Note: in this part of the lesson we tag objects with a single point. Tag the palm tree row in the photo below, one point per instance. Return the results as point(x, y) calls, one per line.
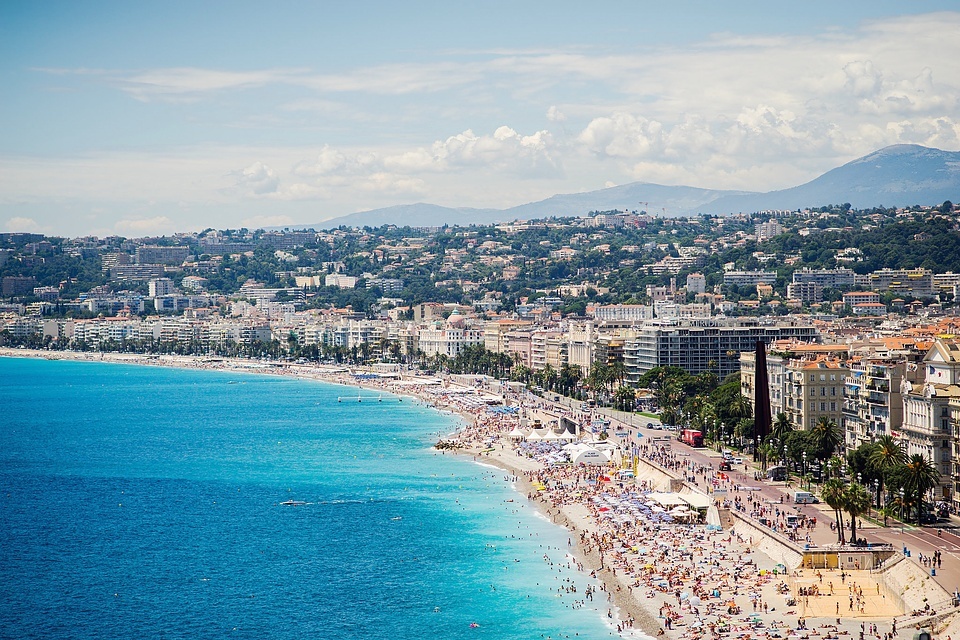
point(882, 463)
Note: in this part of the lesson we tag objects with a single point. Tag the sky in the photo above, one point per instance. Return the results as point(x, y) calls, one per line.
point(144, 118)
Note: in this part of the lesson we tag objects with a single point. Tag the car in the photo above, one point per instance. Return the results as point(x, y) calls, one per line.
point(928, 518)
point(724, 466)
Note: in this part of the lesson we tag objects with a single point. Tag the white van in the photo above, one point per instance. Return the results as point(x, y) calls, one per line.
point(805, 497)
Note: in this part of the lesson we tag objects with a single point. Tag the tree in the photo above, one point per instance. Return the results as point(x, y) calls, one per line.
point(781, 427)
point(916, 477)
point(826, 436)
point(886, 456)
point(618, 371)
point(625, 399)
point(834, 494)
point(779, 432)
point(856, 502)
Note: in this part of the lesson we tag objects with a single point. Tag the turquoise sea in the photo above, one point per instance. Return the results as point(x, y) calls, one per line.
point(143, 502)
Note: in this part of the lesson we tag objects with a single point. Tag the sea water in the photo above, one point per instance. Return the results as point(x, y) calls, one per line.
point(145, 502)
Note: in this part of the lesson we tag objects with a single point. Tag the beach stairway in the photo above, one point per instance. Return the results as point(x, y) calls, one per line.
point(723, 516)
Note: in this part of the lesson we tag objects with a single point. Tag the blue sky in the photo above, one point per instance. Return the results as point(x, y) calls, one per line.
point(137, 118)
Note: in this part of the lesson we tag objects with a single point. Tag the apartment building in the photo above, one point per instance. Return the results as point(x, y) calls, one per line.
point(495, 333)
point(927, 428)
point(580, 345)
point(447, 339)
point(160, 287)
point(826, 278)
point(705, 345)
point(696, 283)
point(148, 254)
point(872, 398)
point(548, 348)
point(749, 278)
point(623, 312)
point(904, 282)
point(805, 292)
point(813, 390)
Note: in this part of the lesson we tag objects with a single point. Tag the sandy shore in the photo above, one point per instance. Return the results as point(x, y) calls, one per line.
point(669, 579)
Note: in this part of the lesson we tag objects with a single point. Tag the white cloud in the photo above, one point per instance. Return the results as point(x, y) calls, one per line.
point(623, 135)
point(862, 78)
point(22, 224)
point(258, 179)
point(504, 150)
point(555, 115)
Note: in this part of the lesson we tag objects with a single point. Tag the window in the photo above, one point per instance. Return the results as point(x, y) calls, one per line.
point(823, 391)
point(823, 377)
point(823, 406)
point(813, 392)
point(833, 377)
point(833, 406)
point(833, 391)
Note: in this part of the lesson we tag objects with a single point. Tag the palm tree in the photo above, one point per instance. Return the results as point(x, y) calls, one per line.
point(916, 477)
point(739, 410)
point(887, 511)
point(618, 371)
point(826, 436)
point(886, 456)
point(856, 502)
point(833, 493)
point(781, 428)
point(707, 417)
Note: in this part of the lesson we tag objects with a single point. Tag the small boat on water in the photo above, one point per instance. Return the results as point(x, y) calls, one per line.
point(292, 503)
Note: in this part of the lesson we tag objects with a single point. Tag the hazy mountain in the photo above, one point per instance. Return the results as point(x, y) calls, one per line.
point(420, 214)
point(636, 196)
point(897, 176)
point(900, 175)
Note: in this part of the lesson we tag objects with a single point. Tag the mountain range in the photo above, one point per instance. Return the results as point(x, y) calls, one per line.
point(896, 176)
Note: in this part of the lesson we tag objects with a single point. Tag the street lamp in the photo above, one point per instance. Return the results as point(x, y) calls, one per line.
point(901, 510)
point(805, 470)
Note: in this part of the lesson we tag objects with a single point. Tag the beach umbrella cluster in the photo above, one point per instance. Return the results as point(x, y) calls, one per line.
point(631, 507)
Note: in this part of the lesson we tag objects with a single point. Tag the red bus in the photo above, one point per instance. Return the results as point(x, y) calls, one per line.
point(691, 437)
